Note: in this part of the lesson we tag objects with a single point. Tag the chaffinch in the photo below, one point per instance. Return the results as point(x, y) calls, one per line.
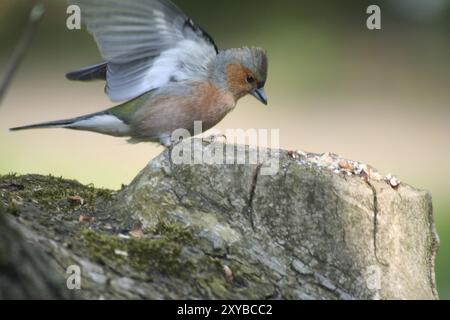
point(167, 68)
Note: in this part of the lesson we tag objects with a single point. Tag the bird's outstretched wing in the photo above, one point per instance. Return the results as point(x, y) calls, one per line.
point(146, 44)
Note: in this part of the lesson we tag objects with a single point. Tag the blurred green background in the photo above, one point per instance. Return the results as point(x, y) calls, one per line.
point(381, 97)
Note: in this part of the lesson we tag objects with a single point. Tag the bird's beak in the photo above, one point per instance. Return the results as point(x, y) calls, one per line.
point(260, 94)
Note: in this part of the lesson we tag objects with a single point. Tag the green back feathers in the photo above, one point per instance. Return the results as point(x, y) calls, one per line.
point(126, 110)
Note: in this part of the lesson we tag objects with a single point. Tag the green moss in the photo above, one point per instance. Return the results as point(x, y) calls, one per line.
point(12, 209)
point(173, 232)
point(9, 206)
point(159, 252)
point(156, 205)
point(168, 248)
point(49, 192)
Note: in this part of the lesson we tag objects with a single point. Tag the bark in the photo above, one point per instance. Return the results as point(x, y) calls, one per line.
point(320, 228)
point(25, 271)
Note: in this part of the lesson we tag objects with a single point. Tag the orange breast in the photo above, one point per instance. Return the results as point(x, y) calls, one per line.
point(164, 114)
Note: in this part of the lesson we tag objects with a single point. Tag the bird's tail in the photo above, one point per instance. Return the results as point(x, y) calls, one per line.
point(49, 124)
point(103, 122)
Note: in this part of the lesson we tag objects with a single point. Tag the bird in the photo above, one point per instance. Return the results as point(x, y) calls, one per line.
point(163, 70)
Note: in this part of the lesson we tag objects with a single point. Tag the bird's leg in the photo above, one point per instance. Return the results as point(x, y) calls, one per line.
point(170, 149)
point(170, 145)
point(166, 141)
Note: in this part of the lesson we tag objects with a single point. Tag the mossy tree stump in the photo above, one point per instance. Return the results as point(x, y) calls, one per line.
point(320, 228)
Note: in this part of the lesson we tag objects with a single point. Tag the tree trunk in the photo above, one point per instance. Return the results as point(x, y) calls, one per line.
point(318, 228)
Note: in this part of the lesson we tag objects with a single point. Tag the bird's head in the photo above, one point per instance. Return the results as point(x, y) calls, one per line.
point(243, 71)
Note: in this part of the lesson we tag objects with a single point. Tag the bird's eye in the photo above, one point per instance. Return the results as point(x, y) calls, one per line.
point(250, 79)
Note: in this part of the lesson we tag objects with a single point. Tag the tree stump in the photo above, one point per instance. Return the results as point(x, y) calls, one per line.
point(321, 227)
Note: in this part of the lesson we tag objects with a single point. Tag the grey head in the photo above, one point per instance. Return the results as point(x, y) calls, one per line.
point(241, 71)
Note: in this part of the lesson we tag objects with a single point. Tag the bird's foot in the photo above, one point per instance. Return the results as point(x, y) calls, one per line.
point(170, 146)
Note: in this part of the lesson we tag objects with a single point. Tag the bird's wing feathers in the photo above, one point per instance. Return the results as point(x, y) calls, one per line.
point(95, 72)
point(146, 44)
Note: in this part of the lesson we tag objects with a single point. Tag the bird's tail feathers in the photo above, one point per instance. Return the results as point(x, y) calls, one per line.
point(102, 122)
point(46, 125)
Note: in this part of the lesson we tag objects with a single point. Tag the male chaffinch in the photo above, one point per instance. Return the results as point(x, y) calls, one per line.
point(166, 67)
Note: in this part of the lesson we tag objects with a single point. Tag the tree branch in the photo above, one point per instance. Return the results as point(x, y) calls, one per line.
point(36, 14)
